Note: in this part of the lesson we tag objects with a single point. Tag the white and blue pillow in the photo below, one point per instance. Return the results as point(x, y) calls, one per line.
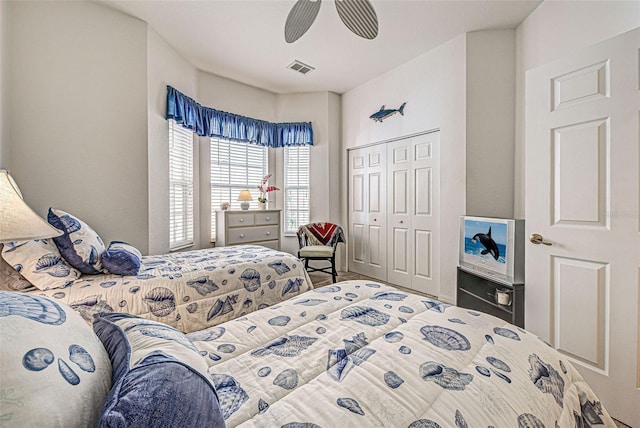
point(121, 258)
point(159, 377)
point(54, 371)
point(79, 244)
point(40, 262)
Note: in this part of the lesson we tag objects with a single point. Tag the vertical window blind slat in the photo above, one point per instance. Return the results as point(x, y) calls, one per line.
point(297, 188)
point(180, 186)
point(235, 167)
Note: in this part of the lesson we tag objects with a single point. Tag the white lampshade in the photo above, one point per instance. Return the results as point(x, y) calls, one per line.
point(18, 222)
point(245, 196)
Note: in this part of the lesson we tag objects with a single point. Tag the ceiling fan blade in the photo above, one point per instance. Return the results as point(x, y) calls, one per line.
point(359, 17)
point(300, 18)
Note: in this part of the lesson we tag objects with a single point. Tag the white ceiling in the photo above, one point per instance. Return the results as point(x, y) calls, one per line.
point(244, 39)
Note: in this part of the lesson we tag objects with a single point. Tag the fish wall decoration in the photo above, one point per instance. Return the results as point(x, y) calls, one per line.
point(383, 113)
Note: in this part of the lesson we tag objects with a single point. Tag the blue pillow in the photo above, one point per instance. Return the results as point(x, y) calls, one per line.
point(121, 258)
point(79, 244)
point(159, 377)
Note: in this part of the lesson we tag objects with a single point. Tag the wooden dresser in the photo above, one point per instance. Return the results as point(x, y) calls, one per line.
point(260, 227)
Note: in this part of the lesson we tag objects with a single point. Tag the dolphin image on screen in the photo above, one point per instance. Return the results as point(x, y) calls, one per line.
point(488, 243)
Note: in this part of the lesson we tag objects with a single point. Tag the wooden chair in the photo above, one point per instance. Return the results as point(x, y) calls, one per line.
point(318, 241)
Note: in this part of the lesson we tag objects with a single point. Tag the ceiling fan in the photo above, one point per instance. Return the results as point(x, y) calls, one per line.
point(357, 15)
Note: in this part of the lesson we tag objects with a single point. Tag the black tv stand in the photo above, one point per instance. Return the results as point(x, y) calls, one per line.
point(477, 291)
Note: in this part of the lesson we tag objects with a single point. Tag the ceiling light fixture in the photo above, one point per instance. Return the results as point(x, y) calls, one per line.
point(357, 15)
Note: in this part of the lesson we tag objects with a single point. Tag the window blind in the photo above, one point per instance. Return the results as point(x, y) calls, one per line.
point(296, 186)
point(235, 167)
point(180, 186)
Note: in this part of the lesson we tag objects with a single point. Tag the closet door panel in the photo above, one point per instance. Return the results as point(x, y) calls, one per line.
point(423, 254)
point(400, 201)
point(375, 250)
point(376, 241)
point(367, 212)
point(425, 213)
point(358, 211)
point(357, 243)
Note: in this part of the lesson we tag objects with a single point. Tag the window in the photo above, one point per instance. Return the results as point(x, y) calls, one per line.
point(180, 186)
point(234, 167)
point(296, 187)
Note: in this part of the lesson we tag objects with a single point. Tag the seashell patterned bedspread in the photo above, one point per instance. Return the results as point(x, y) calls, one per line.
point(192, 290)
point(362, 354)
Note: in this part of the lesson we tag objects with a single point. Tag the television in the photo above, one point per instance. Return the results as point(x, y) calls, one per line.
point(493, 248)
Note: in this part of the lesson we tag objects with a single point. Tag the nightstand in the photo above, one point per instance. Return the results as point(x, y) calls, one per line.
point(259, 227)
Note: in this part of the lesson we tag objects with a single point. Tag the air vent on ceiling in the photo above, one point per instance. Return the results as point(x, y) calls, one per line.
point(300, 67)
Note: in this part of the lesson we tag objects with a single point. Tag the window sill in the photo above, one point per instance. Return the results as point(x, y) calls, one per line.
point(181, 247)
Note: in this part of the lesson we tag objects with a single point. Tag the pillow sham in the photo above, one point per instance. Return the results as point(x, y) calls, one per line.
point(121, 258)
point(159, 377)
point(79, 244)
point(54, 371)
point(40, 263)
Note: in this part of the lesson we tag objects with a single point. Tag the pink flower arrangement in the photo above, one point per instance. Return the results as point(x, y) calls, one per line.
point(264, 189)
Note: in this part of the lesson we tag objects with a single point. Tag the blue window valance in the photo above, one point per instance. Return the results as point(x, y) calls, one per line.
point(209, 122)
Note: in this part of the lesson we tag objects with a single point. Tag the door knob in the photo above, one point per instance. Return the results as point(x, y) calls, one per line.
point(537, 239)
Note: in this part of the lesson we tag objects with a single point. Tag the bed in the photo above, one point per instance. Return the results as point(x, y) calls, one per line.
point(191, 290)
point(352, 354)
point(360, 353)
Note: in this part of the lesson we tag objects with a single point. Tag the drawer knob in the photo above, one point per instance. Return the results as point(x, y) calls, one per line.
point(242, 235)
point(268, 218)
point(241, 220)
point(268, 233)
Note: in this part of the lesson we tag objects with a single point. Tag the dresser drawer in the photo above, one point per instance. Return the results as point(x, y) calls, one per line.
point(240, 219)
point(252, 234)
point(267, 218)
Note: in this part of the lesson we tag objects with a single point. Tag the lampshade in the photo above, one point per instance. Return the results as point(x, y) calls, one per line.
point(245, 196)
point(18, 222)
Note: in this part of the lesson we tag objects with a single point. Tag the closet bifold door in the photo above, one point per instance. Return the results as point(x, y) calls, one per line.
point(426, 213)
point(399, 232)
point(367, 211)
point(412, 214)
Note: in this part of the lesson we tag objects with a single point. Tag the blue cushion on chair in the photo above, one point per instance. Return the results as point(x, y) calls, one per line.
point(122, 258)
point(159, 377)
point(79, 244)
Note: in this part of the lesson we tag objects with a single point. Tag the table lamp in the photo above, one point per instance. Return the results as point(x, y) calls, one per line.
point(244, 197)
point(18, 222)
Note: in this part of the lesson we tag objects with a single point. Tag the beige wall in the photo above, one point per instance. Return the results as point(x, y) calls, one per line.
point(554, 29)
point(322, 109)
point(490, 123)
point(165, 67)
point(434, 87)
point(78, 107)
point(88, 105)
point(465, 88)
point(4, 87)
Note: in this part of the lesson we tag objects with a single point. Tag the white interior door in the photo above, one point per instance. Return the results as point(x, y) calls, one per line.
point(582, 139)
point(413, 212)
point(367, 212)
point(358, 215)
point(399, 236)
point(425, 207)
